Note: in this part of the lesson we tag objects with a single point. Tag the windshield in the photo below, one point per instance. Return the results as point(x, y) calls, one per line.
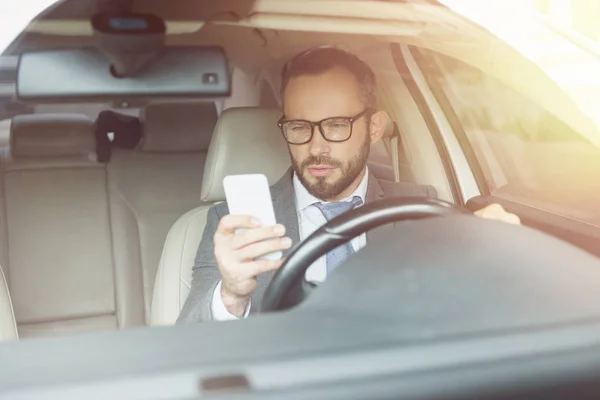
point(116, 215)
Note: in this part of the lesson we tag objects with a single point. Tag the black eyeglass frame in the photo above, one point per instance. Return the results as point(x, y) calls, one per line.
point(351, 120)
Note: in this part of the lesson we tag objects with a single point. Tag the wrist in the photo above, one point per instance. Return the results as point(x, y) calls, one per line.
point(236, 305)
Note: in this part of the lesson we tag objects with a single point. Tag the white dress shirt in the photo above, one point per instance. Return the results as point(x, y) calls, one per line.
point(310, 219)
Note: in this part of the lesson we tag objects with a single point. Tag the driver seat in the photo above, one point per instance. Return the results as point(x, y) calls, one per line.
point(246, 140)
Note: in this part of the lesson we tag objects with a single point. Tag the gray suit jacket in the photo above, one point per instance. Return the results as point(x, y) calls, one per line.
point(205, 275)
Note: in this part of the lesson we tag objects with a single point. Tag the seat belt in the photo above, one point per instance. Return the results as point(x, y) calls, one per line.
point(392, 142)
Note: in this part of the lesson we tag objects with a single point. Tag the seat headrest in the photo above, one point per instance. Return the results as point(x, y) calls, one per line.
point(246, 140)
point(178, 126)
point(52, 135)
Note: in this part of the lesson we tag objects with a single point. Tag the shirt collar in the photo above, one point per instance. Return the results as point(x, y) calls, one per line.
point(305, 199)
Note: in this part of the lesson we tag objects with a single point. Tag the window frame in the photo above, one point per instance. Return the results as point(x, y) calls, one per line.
point(453, 120)
point(463, 185)
point(431, 70)
point(583, 234)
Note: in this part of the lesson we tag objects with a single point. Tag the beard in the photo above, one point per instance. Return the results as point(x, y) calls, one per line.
point(350, 170)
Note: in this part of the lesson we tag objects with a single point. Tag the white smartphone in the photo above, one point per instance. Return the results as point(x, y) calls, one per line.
point(250, 195)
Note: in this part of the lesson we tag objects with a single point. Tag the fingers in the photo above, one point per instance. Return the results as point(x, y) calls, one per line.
point(252, 232)
point(498, 213)
point(236, 253)
point(256, 250)
point(230, 223)
point(237, 287)
point(512, 219)
point(246, 276)
point(258, 267)
point(250, 236)
point(263, 266)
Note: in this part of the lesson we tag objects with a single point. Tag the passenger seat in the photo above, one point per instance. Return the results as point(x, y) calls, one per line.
point(58, 249)
point(152, 186)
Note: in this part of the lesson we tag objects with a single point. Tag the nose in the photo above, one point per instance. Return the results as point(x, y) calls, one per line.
point(318, 144)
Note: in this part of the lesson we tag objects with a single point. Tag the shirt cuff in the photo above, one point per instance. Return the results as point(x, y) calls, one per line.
point(218, 309)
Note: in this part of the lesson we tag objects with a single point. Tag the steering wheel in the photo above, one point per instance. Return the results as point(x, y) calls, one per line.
point(288, 286)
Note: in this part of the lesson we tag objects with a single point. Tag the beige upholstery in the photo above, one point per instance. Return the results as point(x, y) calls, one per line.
point(62, 135)
point(178, 126)
point(60, 255)
point(246, 140)
point(174, 275)
point(8, 326)
point(148, 191)
point(60, 262)
point(80, 241)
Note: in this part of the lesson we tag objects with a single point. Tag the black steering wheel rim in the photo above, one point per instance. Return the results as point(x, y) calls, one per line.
point(288, 287)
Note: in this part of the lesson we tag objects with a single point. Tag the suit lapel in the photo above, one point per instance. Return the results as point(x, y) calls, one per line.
point(375, 192)
point(284, 204)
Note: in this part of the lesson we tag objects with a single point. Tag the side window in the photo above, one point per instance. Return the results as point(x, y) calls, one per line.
point(526, 154)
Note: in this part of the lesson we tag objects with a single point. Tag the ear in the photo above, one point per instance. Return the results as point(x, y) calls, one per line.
point(379, 122)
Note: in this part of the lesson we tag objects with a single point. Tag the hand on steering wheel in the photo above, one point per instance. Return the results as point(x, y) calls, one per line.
point(288, 287)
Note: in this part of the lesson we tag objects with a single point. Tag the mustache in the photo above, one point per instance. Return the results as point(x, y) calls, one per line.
point(321, 160)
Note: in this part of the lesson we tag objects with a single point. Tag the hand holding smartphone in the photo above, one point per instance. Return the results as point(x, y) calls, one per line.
point(250, 195)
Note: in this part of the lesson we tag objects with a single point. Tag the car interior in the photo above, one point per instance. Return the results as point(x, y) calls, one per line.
point(118, 213)
point(99, 226)
point(110, 220)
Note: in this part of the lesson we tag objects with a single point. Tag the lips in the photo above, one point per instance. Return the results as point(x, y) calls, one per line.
point(320, 170)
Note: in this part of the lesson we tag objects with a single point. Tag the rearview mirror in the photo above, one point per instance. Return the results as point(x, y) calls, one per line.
point(86, 75)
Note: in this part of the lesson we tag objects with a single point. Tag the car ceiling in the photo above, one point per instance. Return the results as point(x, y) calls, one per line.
point(171, 9)
point(66, 25)
point(71, 17)
point(182, 10)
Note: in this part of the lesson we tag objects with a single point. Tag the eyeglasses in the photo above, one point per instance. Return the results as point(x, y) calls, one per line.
point(333, 129)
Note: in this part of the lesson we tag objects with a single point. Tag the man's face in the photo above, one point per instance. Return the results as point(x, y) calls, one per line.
point(330, 171)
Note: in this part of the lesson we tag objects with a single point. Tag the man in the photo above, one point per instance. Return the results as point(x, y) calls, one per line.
point(330, 122)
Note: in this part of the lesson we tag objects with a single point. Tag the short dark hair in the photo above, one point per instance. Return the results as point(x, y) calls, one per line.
point(322, 59)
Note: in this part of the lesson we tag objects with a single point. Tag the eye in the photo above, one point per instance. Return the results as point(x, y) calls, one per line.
point(297, 127)
point(339, 124)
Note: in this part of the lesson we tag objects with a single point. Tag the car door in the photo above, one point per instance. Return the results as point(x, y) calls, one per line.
point(522, 156)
